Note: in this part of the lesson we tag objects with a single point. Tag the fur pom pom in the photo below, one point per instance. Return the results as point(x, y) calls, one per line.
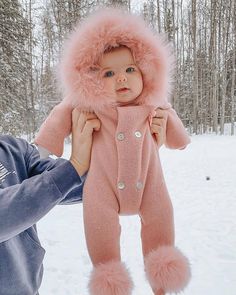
point(168, 269)
point(111, 278)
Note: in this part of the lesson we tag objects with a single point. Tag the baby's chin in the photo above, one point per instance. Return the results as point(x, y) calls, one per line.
point(130, 103)
point(122, 101)
point(126, 102)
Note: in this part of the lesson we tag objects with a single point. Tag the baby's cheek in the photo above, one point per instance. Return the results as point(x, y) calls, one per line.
point(109, 91)
point(109, 86)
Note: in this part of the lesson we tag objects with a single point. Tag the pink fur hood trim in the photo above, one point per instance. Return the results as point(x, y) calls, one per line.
point(78, 70)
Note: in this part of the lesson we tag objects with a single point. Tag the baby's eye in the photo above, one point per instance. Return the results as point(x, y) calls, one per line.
point(109, 74)
point(130, 70)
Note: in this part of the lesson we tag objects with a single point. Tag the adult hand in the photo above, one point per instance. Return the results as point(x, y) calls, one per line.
point(158, 126)
point(83, 126)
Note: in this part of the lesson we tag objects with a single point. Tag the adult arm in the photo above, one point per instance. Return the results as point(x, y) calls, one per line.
point(22, 205)
point(43, 183)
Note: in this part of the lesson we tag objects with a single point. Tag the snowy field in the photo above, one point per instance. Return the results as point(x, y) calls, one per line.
point(205, 218)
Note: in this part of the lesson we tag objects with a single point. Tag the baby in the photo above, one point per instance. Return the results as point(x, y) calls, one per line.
point(114, 66)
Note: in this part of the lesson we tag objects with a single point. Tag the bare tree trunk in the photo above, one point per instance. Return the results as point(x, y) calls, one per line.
point(213, 69)
point(195, 69)
point(225, 36)
point(233, 98)
point(31, 86)
point(158, 16)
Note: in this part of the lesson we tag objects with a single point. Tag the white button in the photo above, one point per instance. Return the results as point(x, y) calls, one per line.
point(138, 134)
point(139, 185)
point(120, 136)
point(121, 185)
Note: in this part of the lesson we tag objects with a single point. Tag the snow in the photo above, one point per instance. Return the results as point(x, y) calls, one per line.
point(205, 218)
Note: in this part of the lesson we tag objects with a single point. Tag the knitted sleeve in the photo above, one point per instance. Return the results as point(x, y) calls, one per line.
point(176, 135)
point(55, 129)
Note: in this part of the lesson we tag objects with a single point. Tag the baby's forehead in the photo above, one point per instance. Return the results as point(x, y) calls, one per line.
point(117, 57)
point(119, 47)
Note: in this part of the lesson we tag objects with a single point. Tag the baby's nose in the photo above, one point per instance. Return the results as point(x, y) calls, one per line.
point(121, 78)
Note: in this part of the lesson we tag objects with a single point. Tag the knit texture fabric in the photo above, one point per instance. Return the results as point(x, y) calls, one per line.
point(125, 175)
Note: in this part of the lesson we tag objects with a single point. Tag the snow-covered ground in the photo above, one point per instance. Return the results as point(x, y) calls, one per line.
point(205, 218)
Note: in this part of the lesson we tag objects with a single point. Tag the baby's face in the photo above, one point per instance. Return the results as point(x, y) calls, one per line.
point(122, 78)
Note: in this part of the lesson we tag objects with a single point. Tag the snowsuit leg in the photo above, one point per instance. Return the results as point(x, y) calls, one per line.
point(101, 223)
point(157, 224)
point(102, 230)
point(167, 269)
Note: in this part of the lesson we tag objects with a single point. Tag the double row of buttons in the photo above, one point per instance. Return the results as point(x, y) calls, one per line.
point(121, 135)
point(121, 185)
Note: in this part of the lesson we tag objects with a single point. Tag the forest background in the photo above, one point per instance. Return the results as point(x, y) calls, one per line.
point(203, 34)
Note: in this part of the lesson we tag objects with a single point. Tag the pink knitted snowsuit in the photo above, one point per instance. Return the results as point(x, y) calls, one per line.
point(125, 175)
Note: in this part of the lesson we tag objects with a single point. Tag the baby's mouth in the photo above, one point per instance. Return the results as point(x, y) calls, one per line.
point(123, 89)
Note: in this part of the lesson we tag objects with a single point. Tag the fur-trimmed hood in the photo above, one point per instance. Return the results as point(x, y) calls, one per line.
point(78, 72)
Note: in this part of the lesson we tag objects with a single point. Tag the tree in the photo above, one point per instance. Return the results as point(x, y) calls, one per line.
point(15, 64)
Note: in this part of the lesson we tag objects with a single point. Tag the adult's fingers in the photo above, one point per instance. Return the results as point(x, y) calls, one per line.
point(90, 126)
point(90, 115)
point(159, 134)
point(79, 118)
point(159, 121)
point(161, 114)
point(157, 129)
point(75, 116)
